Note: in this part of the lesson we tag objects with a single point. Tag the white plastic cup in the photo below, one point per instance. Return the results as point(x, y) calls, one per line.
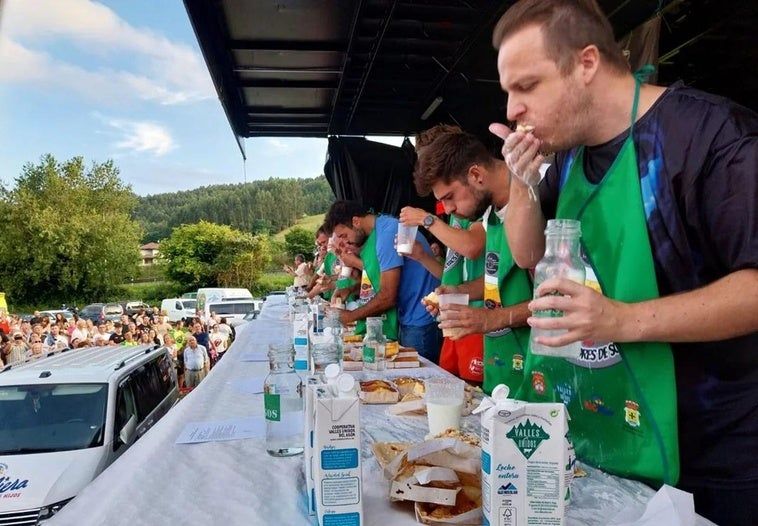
point(444, 403)
point(406, 236)
point(452, 299)
point(346, 271)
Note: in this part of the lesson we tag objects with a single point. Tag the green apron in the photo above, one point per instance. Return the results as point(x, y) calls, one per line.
point(459, 269)
point(504, 285)
point(329, 262)
point(370, 280)
point(621, 396)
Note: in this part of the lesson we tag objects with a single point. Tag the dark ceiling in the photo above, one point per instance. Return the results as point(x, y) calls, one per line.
point(313, 68)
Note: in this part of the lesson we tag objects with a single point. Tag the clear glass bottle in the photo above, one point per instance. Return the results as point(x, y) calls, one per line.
point(374, 344)
point(283, 403)
point(562, 259)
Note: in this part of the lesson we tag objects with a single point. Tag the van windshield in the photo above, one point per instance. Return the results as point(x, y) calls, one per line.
point(189, 304)
point(51, 417)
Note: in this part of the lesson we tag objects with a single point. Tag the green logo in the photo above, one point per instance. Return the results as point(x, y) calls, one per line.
point(272, 407)
point(527, 437)
point(369, 354)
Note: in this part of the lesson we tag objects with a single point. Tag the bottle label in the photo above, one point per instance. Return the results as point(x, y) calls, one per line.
point(369, 354)
point(548, 313)
point(272, 407)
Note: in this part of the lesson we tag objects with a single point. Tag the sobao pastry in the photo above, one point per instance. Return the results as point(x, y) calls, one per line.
point(440, 476)
point(378, 392)
point(525, 128)
point(432, 300)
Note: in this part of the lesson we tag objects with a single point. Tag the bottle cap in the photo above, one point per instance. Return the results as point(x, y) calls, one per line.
point(331, 372)
point(345, 384)
point(500, 392)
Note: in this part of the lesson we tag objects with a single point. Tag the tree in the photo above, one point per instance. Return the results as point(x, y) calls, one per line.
point(206, 255)
point(300, 241)
point(67, 232)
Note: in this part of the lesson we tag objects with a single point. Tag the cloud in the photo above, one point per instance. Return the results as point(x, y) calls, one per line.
point(142, 137)
point(149, 66)
point(278, 146)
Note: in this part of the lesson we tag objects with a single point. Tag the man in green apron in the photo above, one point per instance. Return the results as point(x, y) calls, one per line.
point(463, 357)
point(392, 286)
point(664, 183)
point(470, 183)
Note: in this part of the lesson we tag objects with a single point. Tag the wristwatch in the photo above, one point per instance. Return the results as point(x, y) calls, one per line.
point(429, 221)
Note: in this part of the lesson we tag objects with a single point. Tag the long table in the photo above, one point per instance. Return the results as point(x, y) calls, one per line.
point(158, 481)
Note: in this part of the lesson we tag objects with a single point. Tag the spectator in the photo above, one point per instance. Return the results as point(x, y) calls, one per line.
point(16, 350)
point(117, 336)
point(55, 341)
point(300, 272)
point(196, 362)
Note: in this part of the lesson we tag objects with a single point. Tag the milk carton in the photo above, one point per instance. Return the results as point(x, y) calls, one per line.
point(310, 385)
point(300, 326)
point(527, 462)
point(337, 475)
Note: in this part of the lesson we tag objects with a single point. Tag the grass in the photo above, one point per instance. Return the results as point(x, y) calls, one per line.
point(307, 222)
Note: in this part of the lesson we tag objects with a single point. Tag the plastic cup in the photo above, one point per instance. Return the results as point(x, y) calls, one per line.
point(452, 299)
point(444, 403)
point(406, 236)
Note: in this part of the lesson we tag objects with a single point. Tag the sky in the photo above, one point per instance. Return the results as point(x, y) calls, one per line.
point(125, 80)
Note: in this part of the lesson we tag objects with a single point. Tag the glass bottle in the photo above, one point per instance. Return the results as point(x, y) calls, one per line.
point(283, 403)
point(562, 259)
point(374, 344)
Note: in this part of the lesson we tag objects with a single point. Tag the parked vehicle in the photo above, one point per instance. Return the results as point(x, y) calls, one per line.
point(233, 310)
point(179, 308)
point(209, 295)
point(67, 417)
point(133, 307)
point(51, 314)
point(101, 312)
point(189, 295)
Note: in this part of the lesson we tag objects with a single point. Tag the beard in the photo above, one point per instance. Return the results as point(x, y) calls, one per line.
point(359, 238)
point(572, 112)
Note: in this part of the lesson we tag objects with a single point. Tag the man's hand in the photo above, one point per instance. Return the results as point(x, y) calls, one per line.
point(587, 314)
point(521, 153)
point(464, 319)
point(433, 308)
point(412, 216)
point(351, 260)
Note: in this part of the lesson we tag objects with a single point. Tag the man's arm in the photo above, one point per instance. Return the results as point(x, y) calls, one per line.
point(480, 320)
point(524, 221)
point(385, 299)
point(723, 309)
point(468, 243)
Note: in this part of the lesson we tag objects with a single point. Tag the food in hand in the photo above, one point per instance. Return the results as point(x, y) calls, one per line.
point(525, 128)
point(432, 299)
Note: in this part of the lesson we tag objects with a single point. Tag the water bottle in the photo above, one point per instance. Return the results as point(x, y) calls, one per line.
point(563, 259)
point(283, 403)
point(374, 344)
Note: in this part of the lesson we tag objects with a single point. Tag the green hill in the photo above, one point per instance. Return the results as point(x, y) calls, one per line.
point(307, 222)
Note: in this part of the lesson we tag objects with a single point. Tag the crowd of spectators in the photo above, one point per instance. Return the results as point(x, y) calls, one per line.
point(41, 336)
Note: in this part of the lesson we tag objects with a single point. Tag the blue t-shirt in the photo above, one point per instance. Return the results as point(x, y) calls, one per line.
point(415, 281)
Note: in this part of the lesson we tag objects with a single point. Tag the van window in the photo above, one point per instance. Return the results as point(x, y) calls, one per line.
point(151, 383)
point(125, 408)
point(42, 418)
point(189, 305)
point(228, 307)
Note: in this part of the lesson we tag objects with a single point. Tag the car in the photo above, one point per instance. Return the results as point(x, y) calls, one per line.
point(67, 417)
point(133, 307)
point(50, 313)
point(101, 312)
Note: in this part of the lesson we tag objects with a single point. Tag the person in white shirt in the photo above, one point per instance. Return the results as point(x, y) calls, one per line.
point(195, 360)
point(55, 341)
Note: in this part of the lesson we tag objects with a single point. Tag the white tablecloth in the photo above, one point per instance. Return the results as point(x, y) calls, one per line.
point(159, 482)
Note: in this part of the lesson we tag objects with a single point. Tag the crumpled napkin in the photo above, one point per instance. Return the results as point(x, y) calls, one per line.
point(668, 507)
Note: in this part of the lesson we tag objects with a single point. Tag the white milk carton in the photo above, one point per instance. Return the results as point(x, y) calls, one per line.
point(527, 462)
point(310, 384)
point(337, 455)
point(300, 326)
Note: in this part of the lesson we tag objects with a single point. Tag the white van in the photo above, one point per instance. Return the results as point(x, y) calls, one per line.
point(234, 310)
point(66, 417)
point(207, 296)
point(179, 308)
